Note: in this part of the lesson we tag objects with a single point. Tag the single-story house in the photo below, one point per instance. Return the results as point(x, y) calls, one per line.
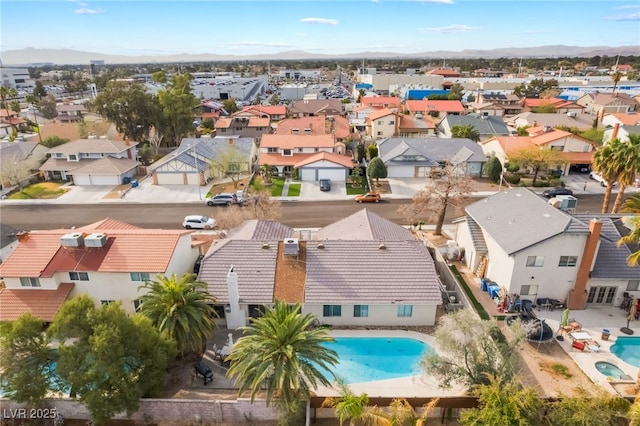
point(486, 126)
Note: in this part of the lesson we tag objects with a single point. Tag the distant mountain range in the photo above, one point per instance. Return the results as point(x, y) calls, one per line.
point(24, 57)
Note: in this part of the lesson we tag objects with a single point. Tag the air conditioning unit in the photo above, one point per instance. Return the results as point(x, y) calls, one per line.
point(95, 240)
point(291, 246)
point(74, 239)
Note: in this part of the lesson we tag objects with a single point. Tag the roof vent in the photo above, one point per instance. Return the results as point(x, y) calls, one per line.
point(320, 246)
point(74, 239)
point(95, 240)
point(265, 246)
point(291, 247)
point(382, 247)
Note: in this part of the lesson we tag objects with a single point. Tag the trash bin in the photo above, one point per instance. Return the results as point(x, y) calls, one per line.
point(483, 284)
point(126, 179)
point(134, 183)
point(605, 334)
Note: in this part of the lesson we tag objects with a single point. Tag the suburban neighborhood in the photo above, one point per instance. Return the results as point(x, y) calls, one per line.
point(276, 241)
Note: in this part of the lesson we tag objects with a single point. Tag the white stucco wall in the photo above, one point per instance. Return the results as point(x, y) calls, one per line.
point(45, 283)
point(379, 315)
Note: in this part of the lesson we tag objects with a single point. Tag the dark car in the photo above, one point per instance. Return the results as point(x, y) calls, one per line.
point(549, 193)
point(325, 184)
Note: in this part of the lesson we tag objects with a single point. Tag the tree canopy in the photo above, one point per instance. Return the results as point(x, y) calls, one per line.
point(536, 88)
point(539, 159)
point(465, 131)
point(376, 169)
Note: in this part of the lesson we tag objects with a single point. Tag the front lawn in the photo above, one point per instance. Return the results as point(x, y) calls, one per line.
point(42, 190)
point(363, 189)
point(294, 190)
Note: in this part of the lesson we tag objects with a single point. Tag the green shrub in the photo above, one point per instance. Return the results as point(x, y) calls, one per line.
point(514, 179)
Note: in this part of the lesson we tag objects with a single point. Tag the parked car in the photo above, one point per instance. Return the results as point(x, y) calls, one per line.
point(325, 184)
point(556, 191)
point(198, 222)
point(223, 199)
point(369, 197)
point(598, 178)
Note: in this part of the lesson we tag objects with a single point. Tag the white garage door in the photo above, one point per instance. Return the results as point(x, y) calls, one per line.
point(170, 179)
point(81, 180)
point(333, 174)
point(105, 180)
point(308, 174)
point(400, 171)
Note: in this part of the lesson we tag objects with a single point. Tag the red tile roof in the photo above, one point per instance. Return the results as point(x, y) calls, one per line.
point(268, 109)
point(314, 123)
point(426, 106)
point(343, 160)
point(533, 103)
point(281, 160)
point(297, 141)
point(379, 114)
point(389, 101)
point(41, 303)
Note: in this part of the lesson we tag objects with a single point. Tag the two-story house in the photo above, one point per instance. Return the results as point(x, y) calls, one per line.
point(434, 108)
point(316, 125)
point(381, 101)
point(310, 107)
point(245, 125)
point(315, 156)
point(607, 103)
point(382, 124)
point(92, 161)
point(531, 248)
point(274, 112)
point(108, 260)
point(70, 113)
point(389, 279)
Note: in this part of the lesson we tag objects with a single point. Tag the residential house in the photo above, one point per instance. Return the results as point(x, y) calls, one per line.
point(485, 126)
point(394, 283)
point(486, 109)
point(19, 161)
point(358, 117)
point(244, 125)
point(560, 106)
point(624, 119)
point(311, 107)
point(532, 248)
point(607, 103)
point(419, 157)
point(581, 121)
point(92, 161)
point(444, 72)
point(416, 126)
point(210, 110)
point(389, 102)
point(194, 161)
point(510, 103)
point(382, 124)
point(434, 108)
point(108, 260)
point(9, 121)
point(274, 112)
point(70, 113)
point(575, 150)
point(316, 125)
point(621, 132)
point(314, 156)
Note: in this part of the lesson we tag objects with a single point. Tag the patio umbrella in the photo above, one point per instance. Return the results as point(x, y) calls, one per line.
point(565, 318)
point(634, 309)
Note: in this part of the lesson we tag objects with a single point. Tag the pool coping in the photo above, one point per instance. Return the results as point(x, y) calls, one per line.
point(414, 386)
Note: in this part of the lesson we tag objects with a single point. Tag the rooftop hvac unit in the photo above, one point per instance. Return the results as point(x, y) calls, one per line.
point(95, 240)
point(74, 239)
point(291, 247)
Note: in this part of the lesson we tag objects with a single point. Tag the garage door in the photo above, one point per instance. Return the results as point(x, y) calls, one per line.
point(105, 180)
point(333, 174)
point(308, 174)
point(170, 178)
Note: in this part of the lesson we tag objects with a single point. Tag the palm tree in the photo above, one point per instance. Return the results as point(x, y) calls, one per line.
point(628, 158)
point(632, 238)
point(631, 204)
point(465, 131)
point(282, 352)
point(266, 172)
point(32, 100)
point(355, 408)
point(182, 308)
point(8, 92)
point(607, 163)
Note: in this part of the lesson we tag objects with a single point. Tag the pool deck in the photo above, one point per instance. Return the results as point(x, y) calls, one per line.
point(420, 386)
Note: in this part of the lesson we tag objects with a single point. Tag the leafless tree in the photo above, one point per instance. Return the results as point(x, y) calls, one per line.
point(14, 170)
point(452, 187)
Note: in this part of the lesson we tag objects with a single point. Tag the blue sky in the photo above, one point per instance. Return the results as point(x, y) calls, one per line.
point(244, 27)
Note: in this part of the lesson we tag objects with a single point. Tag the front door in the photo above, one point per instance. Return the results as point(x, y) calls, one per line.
point(601, 295)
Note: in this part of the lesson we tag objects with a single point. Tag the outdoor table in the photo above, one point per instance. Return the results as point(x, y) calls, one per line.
point(580, 335)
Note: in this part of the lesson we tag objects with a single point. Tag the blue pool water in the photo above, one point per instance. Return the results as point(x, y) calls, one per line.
point(609, 369)
point(364, 359)
point(627, 349)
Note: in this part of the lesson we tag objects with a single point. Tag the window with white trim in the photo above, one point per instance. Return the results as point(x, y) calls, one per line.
point(272, 150)
point(528, 290)
point(360, 311)
point(633, 285)
point(287, 152)
point(29, 282)
point(536, 261)
point(331, 310)
point(405, 310)
point(568, 261)
point(136, 304)
point(78, 276)
point(140, 276)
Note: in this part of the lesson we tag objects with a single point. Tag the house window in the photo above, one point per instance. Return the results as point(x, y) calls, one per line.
point(107, 302)
point(140, 276)
point(537, 261)
point(391, 123)
point(405, 310)
point(331, 310)
point(72, 157)
point(30, 282)
point(380, 122)
point(528, 290)
point(272, 150)
point(568, 261)
point(295, 131)
point(136, 304)
point(633, 285)
point(361, 311)
point(379, 133)
point(78, 276)
point(307, 131)
point(287, 152)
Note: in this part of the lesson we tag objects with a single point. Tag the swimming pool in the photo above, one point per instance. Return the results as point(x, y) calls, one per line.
point(609, 369)
point(627, 349)
point(365, 359)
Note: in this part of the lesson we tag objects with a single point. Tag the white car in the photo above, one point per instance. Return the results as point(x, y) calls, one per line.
point(198, 222)
point(600, 179)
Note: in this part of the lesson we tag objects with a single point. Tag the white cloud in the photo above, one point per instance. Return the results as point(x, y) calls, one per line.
point(625, 17)
point(87, 11)
point(257, 43)
point(449, 29)
point(321, 21)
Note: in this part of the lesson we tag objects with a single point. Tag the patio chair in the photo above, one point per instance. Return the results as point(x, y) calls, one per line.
point(204, 370)
point(572, 325)
point(217, 353)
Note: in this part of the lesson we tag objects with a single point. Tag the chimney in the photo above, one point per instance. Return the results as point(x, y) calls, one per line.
point(230, 141)
point(127, 141)
point(22, 236)
point(615, 131)
point(235, 317)
point(577, 298)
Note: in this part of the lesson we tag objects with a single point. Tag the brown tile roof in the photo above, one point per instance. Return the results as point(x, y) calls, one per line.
point(314, 123)
point(128, 250)
point(290, 275)
point(107, 224)
point(297, 141)
point(627, 119)
point(364, 225)
point(342, 160)
point(106, 166)
point(412, 123)
point(93, 146)
point(317, 106)
point(41, 303)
